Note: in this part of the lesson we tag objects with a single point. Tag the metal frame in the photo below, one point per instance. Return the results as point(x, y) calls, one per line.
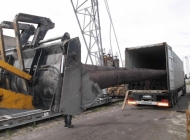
point(2, 45)
point(17, 119)
point(44, 24)
point(27, 31)
point(9, 121)
point(90, 28)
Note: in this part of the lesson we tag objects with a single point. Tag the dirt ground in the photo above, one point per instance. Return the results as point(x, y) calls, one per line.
point(112, 123)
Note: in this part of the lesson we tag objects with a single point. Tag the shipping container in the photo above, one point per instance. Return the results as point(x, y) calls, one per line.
point(161, 91)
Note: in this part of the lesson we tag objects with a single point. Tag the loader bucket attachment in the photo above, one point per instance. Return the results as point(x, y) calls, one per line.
point(78, 91)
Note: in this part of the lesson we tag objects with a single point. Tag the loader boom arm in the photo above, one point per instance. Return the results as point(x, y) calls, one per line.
point(15, 70)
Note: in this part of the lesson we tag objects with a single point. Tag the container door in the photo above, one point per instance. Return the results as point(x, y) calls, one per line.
point(170, 68)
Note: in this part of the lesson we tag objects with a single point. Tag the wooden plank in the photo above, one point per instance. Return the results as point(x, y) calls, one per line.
point(125, 100)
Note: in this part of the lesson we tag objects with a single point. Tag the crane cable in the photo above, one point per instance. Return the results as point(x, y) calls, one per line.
point(111, 24)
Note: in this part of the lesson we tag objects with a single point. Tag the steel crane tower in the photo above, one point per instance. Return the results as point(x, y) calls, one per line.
point(87, 14)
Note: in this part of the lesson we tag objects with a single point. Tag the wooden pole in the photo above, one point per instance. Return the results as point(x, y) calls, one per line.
point(125, 100)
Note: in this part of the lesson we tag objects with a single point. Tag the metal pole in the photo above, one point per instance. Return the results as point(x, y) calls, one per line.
point(49, 40)
point(2, 46)
point(18, 43)
point(107, 77)
point(19, 49)
point(3, 54)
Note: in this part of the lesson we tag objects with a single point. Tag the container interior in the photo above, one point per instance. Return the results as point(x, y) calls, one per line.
point(146, 57)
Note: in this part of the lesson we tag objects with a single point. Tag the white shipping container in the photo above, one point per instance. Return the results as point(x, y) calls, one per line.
point(157, 56)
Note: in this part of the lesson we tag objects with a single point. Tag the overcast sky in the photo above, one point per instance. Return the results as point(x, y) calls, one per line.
point(137, 22)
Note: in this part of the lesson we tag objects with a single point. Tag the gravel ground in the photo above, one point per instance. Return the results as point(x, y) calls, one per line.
point(112, 123)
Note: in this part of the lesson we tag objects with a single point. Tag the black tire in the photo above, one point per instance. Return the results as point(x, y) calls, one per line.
point(171, 99)
point(184, 90)
point(177, 97)
point(138, 105)
point(174, 97)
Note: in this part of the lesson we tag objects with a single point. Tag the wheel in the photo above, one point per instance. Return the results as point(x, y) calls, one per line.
point(177, 97)
point(174, 97)
point(138, 105)
point(171, 99)
point(184, 90)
